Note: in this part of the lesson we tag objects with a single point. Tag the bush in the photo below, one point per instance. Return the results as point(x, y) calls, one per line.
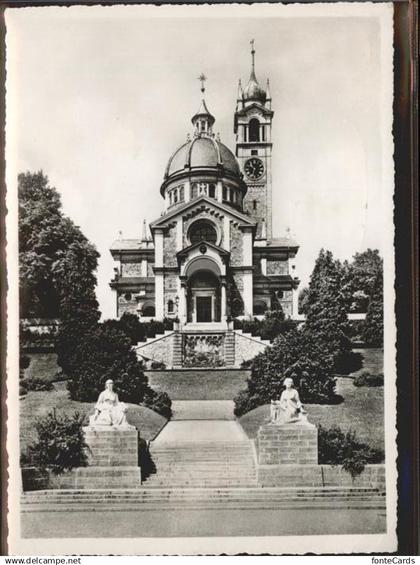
point(348, 362)
point(298, 355)
point(60, 445)
point(271, 326)
point(106, 353)
point(338, 448)
point(158, 402)
point(158, 365)
point(355, 330)
point(367, 379)
point(34, 383)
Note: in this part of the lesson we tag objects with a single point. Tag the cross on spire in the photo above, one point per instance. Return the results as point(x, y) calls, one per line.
point(253, 52)
point(202, 78)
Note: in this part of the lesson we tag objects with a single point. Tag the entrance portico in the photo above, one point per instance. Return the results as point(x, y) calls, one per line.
point(203, 284)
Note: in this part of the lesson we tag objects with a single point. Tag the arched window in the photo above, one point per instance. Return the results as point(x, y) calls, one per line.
point(203, 231)
point(237, 307)
point(224, 193)
point(254, 130)
point(212, 190)
point(148, 310)
point(260, 307)
point(175, 196)
point(170, 306)
point(181, 194)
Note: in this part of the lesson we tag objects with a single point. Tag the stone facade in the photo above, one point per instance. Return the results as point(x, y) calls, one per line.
point(373, 476)
point(158, 349)
point(247, 348)
point(212, 251)
point(288, 444)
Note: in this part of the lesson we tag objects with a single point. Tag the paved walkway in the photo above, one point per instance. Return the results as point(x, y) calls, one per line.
point(203, 410)
point(201, 430)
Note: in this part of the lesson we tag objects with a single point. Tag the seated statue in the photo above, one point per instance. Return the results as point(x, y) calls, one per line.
point(290, 405)
point(109, 411)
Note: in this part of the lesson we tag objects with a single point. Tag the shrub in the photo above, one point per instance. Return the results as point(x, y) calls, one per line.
point(298, 355)
point(271, 326)
point(158, 402)
point(367, 379)
point(35, 383)
point(60, 445)
point(158, 365)
point(374, 324)
point(338, 448)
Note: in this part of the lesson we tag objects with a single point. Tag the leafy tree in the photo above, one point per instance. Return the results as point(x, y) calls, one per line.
point(53, 252)
point(60, 445)
point(326, 316)
point(105, 352)
point(359, 278)
point(296, 354)
point(374, 324)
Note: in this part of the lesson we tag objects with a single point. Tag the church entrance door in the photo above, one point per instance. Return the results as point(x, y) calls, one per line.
point(204, 308)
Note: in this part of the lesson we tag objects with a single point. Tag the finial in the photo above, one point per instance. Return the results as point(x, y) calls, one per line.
point(188, 137)
point(144, 232)
point(120, 234)
point(253, 52)
point(202, 78)
point(218, 136)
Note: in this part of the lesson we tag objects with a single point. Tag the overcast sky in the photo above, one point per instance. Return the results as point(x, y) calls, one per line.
point(99, 98)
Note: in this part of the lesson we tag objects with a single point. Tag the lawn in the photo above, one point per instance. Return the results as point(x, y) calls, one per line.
point(373, 360)
point(362, 409)
point(37, 404)
point(199, 385)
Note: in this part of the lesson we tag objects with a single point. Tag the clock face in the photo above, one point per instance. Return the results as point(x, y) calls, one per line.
point(254, 168)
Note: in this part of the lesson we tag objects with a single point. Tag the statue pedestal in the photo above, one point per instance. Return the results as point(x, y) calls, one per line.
point(288, 444)
point(112, 456)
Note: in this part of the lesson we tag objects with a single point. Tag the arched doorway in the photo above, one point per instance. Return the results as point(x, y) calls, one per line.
point(203, 297)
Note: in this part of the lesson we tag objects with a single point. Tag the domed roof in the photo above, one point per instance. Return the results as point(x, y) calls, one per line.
point(202, 151)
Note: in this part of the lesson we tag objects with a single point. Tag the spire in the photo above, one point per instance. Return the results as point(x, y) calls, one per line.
point(144, 231)
point(253, 90)
point(202, 120)
point(267, 90)
point(240, 90)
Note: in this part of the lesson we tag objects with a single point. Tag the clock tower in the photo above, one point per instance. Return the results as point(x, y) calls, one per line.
point(252, 126)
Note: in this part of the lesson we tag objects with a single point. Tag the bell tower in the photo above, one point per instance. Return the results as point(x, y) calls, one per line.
point(252, 126)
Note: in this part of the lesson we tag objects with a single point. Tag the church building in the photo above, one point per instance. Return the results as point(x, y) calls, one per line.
point(212, 254)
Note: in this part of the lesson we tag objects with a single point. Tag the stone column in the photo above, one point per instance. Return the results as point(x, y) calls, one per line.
point(295, 303)
point(263, 265)
point(223, 302)
point(248, 293)
point(144, 267)
point(219, 191)
point(226, 233)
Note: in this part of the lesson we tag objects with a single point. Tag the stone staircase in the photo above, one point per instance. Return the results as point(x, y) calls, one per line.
point(200, 498)
point(202, 464)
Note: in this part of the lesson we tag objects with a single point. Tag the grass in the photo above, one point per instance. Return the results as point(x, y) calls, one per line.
point(199, 385)
point(37, 404)
point(373, 361)
point(362, 409)
point(42, 366)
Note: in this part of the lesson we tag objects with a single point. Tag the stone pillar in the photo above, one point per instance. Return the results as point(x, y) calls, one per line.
point(159, 295)
point(263, 265)
point(112, 459)
point(182, 303)
point(219, 191)
point(223, 302)
point(295, 303)
point(248, 293)
point(179, 234)
point(226, 233)
point(288, 444)
point(144, 267)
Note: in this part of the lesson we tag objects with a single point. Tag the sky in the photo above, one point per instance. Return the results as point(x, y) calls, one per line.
point(100, 97)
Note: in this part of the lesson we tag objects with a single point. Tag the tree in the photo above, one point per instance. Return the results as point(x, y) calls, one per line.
point(296, 354)
point(359, 278)
point(303, 300)
point(52, 250)
point(373, 334)
point(326, 316)
point(105, 352)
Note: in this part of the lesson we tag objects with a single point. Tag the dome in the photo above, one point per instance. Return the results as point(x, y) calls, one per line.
point(202, 152)
point(253, 90)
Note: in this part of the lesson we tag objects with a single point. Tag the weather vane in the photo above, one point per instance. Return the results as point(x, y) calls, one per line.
point(202, 78)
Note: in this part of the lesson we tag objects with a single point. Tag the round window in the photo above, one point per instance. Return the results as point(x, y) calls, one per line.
point(203, 231)
point(127, 296)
